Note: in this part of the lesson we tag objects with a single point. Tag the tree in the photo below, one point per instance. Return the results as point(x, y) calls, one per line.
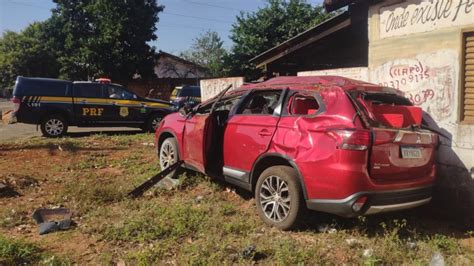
point(26, 54)
point(256, 32)
point(207, 51)
point(104, 37)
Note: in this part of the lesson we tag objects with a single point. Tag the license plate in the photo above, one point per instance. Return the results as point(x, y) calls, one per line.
point(411, 153)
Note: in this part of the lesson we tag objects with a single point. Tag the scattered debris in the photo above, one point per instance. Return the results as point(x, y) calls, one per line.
point(324, 228)
point(148, 144)
point(23, 181)
point(249, 252)
point(352, 242)
point(51, 220)
point(198, 199)
point(161, 176)
point(230, 190)
point(437, 259)
point(411, 244)
point(368, 252)
point(7, 192)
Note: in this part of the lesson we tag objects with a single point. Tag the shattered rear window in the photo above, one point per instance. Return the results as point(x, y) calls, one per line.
point(387, 110)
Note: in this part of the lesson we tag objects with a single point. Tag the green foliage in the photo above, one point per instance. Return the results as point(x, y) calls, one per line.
point(105, 37)
point(16, 252)
point(256, 32)
point(84, 39)
point(208, 52)
point(26, 53)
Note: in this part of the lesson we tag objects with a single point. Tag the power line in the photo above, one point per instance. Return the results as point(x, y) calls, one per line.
point(176, 25)
point(202, 18)
point(27, 4)
point(213, 5)
point(164, 12)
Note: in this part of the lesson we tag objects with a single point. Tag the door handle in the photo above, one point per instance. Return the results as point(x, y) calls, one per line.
point(264, 132)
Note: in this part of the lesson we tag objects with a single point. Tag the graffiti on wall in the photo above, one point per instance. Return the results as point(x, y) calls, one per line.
point(414, 16)
point(428, 80)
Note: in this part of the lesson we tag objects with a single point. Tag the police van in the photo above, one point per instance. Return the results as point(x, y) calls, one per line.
point(57, 104)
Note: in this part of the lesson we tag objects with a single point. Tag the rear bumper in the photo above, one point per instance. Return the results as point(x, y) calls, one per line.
point(377, 202)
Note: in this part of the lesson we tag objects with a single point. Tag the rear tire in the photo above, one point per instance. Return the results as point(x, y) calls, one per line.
point(153, 122)
point(279, 199)
point(54, 126)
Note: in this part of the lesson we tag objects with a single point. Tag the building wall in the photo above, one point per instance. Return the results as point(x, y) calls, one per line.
point(212, 87)
point(359, 73)
point(416, 46)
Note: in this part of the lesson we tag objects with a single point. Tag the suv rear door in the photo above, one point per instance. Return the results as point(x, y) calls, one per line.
point(400, 149)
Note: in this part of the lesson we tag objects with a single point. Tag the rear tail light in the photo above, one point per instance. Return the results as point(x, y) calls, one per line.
point(359, 204)
point(350, 139)
point(16, 104)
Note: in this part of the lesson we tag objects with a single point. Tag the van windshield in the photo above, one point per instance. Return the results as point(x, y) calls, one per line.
point(387, 110)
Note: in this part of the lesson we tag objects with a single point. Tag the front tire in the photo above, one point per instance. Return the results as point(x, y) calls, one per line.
point(279, 198)
point(168, 155)
point(54, 126)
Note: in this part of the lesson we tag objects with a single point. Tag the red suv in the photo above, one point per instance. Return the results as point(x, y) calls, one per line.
point(326, 143)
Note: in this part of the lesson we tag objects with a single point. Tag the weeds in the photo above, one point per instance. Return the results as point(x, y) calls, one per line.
point(202, 221)
point(16, 252)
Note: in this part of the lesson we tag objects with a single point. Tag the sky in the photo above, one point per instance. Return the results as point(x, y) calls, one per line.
point(180, 23)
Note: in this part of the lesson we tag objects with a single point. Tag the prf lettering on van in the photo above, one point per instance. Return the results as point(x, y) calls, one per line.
point(92, 111)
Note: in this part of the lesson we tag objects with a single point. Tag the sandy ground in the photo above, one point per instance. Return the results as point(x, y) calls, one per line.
point(19, 131)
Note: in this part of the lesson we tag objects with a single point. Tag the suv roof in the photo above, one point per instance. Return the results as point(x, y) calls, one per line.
point(318, 82)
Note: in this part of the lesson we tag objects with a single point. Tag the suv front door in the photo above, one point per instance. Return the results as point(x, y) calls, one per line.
point(248, 133)
point(199, 133)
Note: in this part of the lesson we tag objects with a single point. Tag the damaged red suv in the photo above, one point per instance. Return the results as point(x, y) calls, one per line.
point(326, 143)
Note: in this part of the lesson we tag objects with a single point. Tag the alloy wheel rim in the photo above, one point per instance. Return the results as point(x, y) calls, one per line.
point(54, 127)
point(275, 198)
point(167, 155)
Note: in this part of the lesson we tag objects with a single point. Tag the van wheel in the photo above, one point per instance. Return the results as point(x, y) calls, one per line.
point(54, 126)
point(279, 198)
point(168, 155)
point(153, 122)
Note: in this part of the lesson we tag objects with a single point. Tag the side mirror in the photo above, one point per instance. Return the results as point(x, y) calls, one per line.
point(134, 96)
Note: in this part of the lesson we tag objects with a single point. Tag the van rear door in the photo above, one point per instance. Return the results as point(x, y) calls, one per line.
point(400, 148)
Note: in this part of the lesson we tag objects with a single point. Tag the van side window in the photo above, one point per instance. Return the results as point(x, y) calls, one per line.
point(261, 103)
point(88, 90)
point(302, 104)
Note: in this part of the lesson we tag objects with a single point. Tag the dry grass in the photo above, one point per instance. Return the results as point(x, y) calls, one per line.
point(201, 222)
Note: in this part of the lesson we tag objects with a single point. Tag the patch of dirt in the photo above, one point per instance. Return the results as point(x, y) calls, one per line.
point(468, 243)
point(110, 171)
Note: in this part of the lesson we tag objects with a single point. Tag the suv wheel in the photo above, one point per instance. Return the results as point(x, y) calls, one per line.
point(278, 196)
point(168, 153)
point(54, 126)
point(153, 122)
